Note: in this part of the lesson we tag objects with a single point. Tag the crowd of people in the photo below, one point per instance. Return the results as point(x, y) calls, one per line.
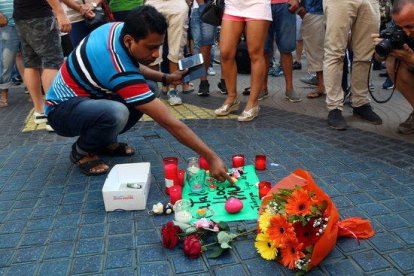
point(118, 65)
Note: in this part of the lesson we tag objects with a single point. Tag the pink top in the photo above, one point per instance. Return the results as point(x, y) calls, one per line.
point(279, 1)
point(254, 9)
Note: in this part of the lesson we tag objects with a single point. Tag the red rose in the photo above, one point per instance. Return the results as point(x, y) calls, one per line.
point(192, 246)
point(169, 235)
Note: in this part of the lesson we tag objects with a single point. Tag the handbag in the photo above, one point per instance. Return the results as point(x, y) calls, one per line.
point(213, 12)
point(96, 21)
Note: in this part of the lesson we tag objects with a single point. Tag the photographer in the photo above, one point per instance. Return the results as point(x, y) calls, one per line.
point(400, 59)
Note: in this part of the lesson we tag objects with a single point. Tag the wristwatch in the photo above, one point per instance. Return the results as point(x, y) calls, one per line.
point(94, 4)
point(164, 80)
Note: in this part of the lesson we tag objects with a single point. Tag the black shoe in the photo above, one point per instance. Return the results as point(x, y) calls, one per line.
point(336, 120)
point(297, 65)
point(383, 75)
point(204, 89)
point(366, 113)
point(222, 87)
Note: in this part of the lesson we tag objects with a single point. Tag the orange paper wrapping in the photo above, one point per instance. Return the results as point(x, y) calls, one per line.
point(351, 227)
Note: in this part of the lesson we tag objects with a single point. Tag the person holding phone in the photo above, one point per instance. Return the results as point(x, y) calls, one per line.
point(252, 17)
point(108, 94)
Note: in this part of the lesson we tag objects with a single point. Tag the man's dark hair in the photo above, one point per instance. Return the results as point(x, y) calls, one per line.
point(144, 20)
point(398, 5)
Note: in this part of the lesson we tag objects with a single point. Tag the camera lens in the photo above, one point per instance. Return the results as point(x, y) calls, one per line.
point(383, 48)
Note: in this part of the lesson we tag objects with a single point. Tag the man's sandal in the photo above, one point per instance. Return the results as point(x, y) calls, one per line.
point(315, 94)
point(88, 166)
point(122, 149)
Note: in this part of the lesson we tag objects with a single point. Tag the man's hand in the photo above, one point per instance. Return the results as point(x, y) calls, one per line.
point(86, 10)
point(64, 23)
point(376, 39)
point(219, 170)
point(405, 55)
point(176, 77)
point(293, 5)
point(3, 20)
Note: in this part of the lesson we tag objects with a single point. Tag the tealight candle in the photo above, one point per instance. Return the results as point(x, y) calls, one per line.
point(170, 171)
point(264, 188)
point(260, 162)
point(183, 216)
point(237, 160)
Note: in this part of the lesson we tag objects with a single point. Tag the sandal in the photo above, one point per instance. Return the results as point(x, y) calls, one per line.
point(3, 103)
point(121, 150)
point(88, 166)
point(189, 86)
point(315, 94)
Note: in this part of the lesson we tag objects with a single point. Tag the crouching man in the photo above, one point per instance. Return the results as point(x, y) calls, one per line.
point(400, 60)
point(101, 92)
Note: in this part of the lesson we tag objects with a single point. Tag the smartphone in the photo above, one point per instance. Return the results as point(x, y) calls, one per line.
point(195, 73)
point(190, 61)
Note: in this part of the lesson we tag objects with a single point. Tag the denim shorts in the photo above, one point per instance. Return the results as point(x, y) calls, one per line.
point(9, 46)
point(202, 33)
point(283, 28)
point(40, 42)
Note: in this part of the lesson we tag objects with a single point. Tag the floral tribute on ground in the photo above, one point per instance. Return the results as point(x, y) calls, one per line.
point(299, 224)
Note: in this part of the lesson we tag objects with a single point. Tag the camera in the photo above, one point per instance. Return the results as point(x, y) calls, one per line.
point(393, 38)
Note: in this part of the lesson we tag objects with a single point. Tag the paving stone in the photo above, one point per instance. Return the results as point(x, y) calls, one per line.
point(124, 227)
point(22, 269)
point(55, 268)
point(385, 242)
point(342, 267)
point(147, 237)
point(404, 260)
point(92, 231)
point(34, 239)
point(392, 221)
point(155, 269)
point(182, 264)
point(370, 261)
point(87, 264)
point(407, 235)
point(63, 234)
point(89, 246)
point(230, 270)
point(120, 242)
point(12, 227)
point(259, 266)
point(5, 257)
point(149, 253)
point(121, 272)
point(118, 259)
point(59, 250)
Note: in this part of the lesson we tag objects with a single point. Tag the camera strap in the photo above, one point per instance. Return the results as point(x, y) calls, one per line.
point(396, 68)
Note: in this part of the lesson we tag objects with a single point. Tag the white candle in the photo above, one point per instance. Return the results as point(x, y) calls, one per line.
point(183, 216)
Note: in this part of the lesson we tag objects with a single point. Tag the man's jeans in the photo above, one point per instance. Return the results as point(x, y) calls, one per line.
point(202, 33)
point(9, 46)
point(97, 122)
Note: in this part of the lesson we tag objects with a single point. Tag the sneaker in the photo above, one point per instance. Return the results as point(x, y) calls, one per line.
point(336, 120)
point(222, 87)
point(39, 118)
point(173, 98)
point(204, 88)
point(311, 79)
point(366, 113)
point(297, 65)
point(408, 126)
point(388, 84)
point(211, 72)
point(26, 91)
point(49, 127)
point(292, 96)
point(263, 94)
point(17, 80)
point(276, 71)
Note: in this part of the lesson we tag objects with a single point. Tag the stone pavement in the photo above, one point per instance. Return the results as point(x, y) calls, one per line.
point(53, 222)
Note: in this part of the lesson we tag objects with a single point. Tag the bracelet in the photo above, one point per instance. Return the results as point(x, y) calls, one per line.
point(164, 79)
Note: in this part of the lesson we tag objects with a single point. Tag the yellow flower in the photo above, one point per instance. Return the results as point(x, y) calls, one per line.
point(264, 220)
point(265, 247)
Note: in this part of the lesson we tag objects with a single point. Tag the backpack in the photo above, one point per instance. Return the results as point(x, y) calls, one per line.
point(242, 58)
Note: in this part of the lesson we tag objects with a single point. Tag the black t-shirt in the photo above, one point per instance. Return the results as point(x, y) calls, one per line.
point(28, 9)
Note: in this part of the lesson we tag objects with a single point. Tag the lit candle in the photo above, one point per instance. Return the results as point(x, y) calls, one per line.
point(203, 163)
point(175, 193)
point(260, 162)
point(264, 188)
point(183, 216)
point(238, 160)
point(170, 172)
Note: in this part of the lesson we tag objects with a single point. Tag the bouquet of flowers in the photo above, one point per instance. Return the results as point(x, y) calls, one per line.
point(299, 224)
point(202, 235)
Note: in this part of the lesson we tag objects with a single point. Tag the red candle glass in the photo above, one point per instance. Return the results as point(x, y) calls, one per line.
point(264, 188)
point(180, 178)
point(237, 160)
point(260, 162)
point(170, 172)
point(202, 162)
point(175, 193)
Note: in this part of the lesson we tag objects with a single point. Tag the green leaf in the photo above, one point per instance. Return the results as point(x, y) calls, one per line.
point(216, 251)
point(190, 230)
point(225, 245)
point(223, 226)
point(183, 226)
point(225, 237)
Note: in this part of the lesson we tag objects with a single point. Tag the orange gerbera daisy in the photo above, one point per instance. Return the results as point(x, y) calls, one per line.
point(291, 252)
point(280, 230)
point(299, 203)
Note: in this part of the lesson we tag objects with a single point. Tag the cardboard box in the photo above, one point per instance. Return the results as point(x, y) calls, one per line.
point(126, 187)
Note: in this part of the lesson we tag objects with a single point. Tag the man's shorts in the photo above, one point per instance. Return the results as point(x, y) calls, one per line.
point(283, 27)
point(40, 42)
